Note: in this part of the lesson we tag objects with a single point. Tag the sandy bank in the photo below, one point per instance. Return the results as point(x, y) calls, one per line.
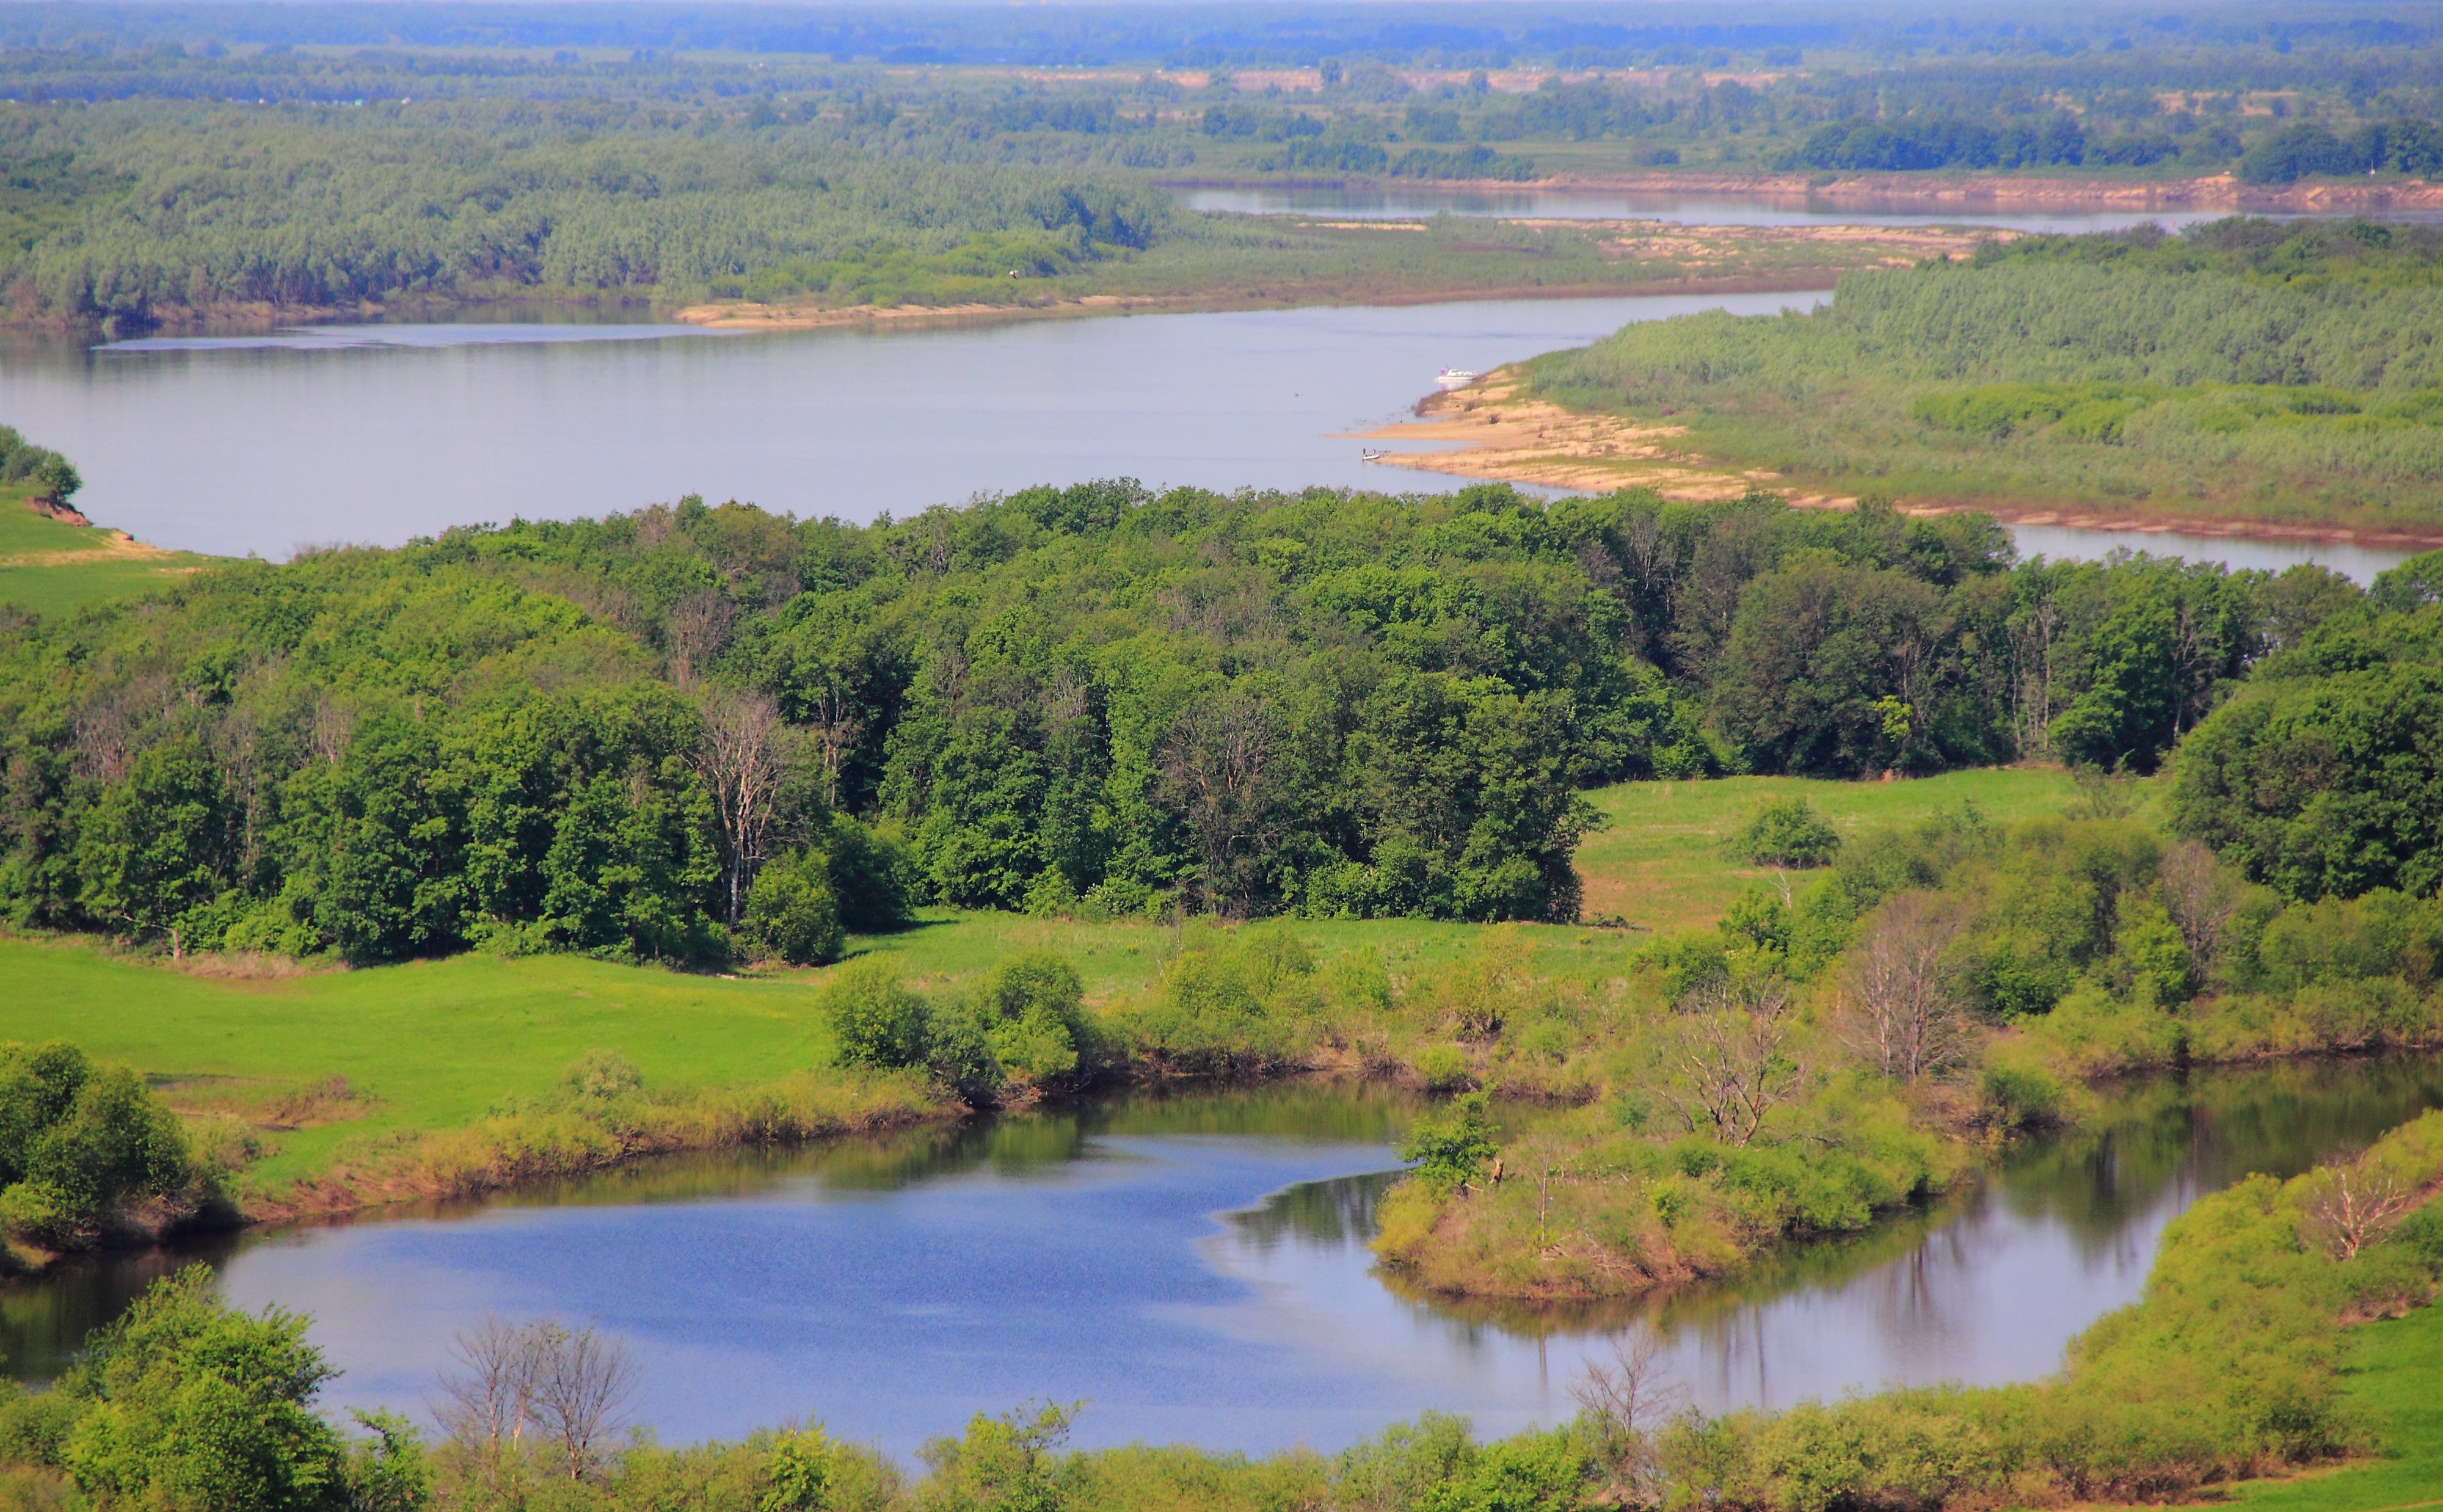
point(1506, 435)
point(1980, 193)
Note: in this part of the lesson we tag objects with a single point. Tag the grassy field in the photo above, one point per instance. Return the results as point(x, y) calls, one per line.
point(1660, 863)
point(53, 568)
point(2396, 1372)
point(434, 1044)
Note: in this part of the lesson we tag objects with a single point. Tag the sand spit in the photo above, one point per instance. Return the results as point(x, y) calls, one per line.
point(1507, 435)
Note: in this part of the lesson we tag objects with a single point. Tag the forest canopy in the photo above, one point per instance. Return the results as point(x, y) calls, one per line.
point(595, 735)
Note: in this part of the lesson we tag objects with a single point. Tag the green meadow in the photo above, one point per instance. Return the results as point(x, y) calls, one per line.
point(2396, 1375)
point(434, 1044)
point(1659, 862)
point(49, 567)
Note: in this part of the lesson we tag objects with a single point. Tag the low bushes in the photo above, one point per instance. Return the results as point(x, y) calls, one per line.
point(88, 1155)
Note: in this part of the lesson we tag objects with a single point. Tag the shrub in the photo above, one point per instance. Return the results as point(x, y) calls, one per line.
point(601, 1075)
point(80, 1143)
point(189, 1404)
point(1444, 1069)
point(1035, 1016)
point(1236, 1001)
point(1788, 833)
point(792, 911)
point(1451, 1153)
point(875, 1022)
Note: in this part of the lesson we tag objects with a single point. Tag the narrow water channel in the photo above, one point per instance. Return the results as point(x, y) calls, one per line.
point(1195, 1268)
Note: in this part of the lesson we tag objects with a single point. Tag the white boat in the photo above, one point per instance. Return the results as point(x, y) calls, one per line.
point(1455, 377)
point(1371, 454)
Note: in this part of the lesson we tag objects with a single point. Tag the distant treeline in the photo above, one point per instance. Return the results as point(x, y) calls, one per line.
point(1205, 35)
point(141, 217)
point(149, 180)
point(2247, 366)
point(2413, 147)
point(595, 735)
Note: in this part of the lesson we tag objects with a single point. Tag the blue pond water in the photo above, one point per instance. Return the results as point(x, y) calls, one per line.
point(1196, 1268)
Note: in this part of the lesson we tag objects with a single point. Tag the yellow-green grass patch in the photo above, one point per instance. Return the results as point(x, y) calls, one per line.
point(55, 568)
point(1660, 862)
point(2396, 1375)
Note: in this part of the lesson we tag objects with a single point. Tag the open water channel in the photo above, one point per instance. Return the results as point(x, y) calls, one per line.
point(376, 433)
point(1195, 1268)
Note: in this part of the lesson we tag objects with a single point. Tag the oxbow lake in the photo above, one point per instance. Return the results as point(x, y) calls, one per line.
point(375, 434)
point(1195, 1268)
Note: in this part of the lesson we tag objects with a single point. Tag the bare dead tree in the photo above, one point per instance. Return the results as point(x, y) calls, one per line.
point(2199, 897)
point(2350, 1204)
point(488, 1399)
point(2032, 638)
point(582, 1385)
point(1731, 1061)
point(333, 730)
point(698, 628)
point(1904, 1015)
point(743, 760)
point(1622, 1397)
point(110, 729)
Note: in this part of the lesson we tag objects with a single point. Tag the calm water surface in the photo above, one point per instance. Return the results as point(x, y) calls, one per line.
point(375, 434)
point(1194, 1269)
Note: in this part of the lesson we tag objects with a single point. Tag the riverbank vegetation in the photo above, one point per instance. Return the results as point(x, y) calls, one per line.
point(2246, 368)
point(2237, 1361)
point(256, 174)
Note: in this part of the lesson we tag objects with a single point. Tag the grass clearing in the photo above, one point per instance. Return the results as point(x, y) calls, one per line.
point(2396, 1372)
point(1660, 863)
point(432, 1044)
point(55, 568)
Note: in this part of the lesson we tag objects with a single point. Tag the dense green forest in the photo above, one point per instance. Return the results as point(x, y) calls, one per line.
point(591, 734)
point(2255, 367)
point(150, 171)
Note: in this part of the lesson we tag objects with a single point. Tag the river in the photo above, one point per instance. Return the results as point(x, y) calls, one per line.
point(374, 435)
point(1194, 1268)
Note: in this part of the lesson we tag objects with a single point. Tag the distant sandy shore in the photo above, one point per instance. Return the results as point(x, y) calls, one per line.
point(1702, 259)
point(1971, 193)
point(1505, 435)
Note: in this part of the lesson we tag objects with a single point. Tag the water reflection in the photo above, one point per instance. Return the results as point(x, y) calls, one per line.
point(2076, 543)
point(1196, 1268)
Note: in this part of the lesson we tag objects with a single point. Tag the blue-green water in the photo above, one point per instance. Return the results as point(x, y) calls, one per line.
point(1195, 1268)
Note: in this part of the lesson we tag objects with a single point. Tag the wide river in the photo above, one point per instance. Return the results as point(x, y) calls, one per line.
point(375, 434)
point(1194, 1269)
